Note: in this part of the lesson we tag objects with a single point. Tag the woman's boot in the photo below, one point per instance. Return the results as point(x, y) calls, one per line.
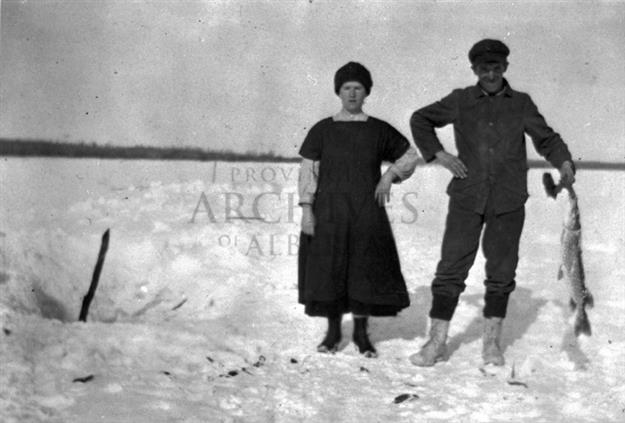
point(333, 336)
point(361, 338)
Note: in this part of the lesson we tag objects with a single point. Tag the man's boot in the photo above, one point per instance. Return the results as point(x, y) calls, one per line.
point(436, 348)
point(491, 350)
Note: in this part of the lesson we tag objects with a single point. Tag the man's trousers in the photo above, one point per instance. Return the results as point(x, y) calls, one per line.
point(500, 245)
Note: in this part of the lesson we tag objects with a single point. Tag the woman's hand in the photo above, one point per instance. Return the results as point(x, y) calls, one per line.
point(383, 190)
point(308, 220)
point(451, 163)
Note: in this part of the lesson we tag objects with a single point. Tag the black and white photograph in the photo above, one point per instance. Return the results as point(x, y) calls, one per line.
point(312, 211)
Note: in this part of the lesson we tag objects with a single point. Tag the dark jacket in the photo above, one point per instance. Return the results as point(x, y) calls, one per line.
point(490, 139)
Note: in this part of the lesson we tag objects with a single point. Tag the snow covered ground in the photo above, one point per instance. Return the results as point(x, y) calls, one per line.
point(196, 316)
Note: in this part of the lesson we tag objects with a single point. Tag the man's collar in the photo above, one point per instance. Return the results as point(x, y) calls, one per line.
point(506, 90)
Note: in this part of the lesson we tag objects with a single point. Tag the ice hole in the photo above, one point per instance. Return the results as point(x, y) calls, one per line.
point(54, 299)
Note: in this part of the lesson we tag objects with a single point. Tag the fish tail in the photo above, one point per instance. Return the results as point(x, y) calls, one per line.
point(589, 300)
point(582, 324)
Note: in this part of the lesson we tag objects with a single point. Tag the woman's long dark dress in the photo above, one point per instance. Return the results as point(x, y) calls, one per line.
point(351, 262)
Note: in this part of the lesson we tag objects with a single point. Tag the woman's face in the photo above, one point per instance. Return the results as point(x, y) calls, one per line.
point(352, 95)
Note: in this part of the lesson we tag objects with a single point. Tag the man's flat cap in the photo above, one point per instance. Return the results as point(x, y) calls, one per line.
point(488, 50)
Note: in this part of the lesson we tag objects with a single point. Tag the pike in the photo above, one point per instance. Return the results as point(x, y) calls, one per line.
point(572, 268)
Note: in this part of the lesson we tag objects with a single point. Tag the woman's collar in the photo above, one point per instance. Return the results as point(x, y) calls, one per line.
point(344, 116)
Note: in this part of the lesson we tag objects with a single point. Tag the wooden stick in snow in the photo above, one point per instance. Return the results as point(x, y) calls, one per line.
point(86, 302)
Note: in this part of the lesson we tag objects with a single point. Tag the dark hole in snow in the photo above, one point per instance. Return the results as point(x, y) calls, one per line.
point(517, 383)
point(405, 397)
point(232, 373)
point(84, 379)
point(260, 362)
point(180, 304)
point(50, 307)
point(6, 331)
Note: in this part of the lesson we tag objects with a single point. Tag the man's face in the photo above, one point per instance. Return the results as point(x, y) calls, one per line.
point(490, 75)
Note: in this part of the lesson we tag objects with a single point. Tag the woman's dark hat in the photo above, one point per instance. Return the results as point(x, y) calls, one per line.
point(488, 50)
point(352, 72)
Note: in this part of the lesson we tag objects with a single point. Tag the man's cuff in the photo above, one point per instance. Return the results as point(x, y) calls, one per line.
point(559, 156)
point(572, 166)
point(433, 156)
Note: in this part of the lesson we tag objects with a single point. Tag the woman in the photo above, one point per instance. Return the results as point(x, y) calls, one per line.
point(348, 261)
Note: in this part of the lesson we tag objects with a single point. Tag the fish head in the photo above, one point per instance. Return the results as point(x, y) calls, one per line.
point(550, 186)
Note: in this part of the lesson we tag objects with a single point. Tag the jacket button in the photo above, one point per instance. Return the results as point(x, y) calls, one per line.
point(490, 123)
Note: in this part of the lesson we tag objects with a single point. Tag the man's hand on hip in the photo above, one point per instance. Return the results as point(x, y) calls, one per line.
point(452, 163)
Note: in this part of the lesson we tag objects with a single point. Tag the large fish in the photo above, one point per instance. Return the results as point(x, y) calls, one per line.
point(572, 268)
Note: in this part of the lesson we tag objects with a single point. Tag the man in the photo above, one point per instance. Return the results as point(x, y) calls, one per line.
point(488, 190)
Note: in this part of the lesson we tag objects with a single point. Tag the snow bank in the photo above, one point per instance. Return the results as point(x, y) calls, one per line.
point(196, 316)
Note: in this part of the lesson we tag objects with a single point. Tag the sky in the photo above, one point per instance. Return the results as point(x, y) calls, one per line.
point(256, 75)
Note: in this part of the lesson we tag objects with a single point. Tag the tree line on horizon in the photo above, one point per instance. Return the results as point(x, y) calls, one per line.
point(43, 148)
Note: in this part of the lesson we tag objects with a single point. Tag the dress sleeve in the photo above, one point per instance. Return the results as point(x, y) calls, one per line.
point(307, 181)
point(313, 144)
point(394, 144)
